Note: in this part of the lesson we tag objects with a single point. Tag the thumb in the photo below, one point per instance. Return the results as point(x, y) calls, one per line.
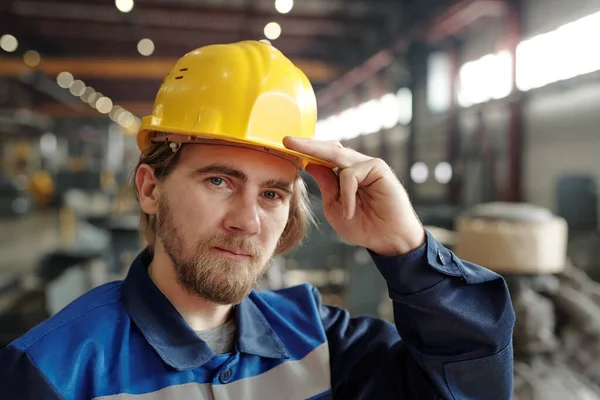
point(327, 180)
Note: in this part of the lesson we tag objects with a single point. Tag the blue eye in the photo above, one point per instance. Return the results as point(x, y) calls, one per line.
point(216, 181)
point(271, 195)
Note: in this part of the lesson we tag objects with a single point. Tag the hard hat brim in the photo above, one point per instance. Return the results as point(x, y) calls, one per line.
point(146, 137)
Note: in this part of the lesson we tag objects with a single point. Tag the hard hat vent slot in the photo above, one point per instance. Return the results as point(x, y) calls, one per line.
point(179, 77)
point(183, 69)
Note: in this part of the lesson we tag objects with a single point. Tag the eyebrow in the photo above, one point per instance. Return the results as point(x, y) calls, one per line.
point(221, 169)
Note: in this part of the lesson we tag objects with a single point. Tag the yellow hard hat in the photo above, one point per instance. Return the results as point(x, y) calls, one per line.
point(247, 94)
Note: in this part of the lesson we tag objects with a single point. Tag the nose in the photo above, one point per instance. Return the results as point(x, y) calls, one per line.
point(243, 216)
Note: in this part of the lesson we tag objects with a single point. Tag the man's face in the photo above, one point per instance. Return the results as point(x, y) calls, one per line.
point(220, 215)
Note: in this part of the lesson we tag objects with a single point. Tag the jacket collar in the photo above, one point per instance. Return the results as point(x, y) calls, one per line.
point(170, 335)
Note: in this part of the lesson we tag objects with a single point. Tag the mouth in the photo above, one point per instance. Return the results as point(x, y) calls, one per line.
point(236, 254)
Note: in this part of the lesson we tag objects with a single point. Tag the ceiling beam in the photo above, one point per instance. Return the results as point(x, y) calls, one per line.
point(357, 8)
point(189, 18)
point(132, 68)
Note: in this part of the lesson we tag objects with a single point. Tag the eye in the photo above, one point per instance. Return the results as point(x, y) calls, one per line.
point(216, 181)
point(271, 195)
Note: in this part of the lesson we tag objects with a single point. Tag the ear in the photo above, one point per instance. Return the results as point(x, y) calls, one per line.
point(147, 189)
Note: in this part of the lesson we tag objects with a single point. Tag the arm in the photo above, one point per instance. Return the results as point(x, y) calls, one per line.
point(455, 319)
point(21, 379)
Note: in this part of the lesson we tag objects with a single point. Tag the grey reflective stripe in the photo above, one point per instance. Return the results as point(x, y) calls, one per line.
point(301, 379)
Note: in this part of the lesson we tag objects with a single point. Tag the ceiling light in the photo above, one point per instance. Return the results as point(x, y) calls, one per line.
point(145, 47)
point(117, 113)
point(124, 5)
point(94, 97)
point(272, 30)
point(126, 119)
point(86, 97)
point(419, 172)
point(77, 88)
point(284, 6)
point(443, 172)
point(104, 105)
point(31, 58)
point(64, 80)
point(8, 43)
point(114, 112)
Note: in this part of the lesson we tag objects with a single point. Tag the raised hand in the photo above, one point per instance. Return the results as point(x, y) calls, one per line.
point(363, 200)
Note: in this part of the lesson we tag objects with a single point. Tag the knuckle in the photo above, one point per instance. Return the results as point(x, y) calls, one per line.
point(346, 173)
point(379, 163)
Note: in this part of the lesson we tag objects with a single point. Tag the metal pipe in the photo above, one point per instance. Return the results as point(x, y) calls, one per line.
point(515, 130)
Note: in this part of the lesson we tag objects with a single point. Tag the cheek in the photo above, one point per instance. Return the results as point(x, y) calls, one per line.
point(193, 211)
point(273, 225)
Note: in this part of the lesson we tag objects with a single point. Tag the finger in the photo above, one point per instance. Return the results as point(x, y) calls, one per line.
point(360, 175)
point(327, 181)
point(331, 151)
point(348, 189)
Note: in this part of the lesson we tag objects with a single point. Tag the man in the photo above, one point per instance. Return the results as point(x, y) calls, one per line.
point(220, 194)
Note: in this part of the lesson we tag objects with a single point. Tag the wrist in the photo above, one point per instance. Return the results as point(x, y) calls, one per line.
point(408, 242)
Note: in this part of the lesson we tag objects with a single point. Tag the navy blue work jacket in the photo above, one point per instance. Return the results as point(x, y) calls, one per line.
point(124, 340)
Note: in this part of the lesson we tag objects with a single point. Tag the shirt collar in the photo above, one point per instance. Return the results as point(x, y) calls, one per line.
point(170, 335)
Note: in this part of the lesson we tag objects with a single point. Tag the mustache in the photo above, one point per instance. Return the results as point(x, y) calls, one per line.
point(229, 242)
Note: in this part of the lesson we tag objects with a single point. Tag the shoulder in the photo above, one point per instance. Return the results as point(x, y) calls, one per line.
point(79, 320)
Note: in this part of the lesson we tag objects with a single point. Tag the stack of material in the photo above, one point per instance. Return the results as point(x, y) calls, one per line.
point(557, 336)
point(557, 306)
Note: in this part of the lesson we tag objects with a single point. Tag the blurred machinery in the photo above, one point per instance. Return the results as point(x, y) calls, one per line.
point(557, 305)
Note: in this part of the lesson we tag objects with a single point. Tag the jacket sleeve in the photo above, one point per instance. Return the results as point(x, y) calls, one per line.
point(21, 379)
point(452, 337)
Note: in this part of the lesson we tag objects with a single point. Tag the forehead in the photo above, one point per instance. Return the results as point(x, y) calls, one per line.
point(254, 163)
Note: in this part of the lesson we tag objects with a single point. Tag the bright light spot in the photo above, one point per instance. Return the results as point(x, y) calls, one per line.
point(48, 144)
point(489, 77)
point(114, 112)
point(348, 124)
point(31, 58)
point(77, 88)
point(439, 81)
point(86, 97)
point(390, 110)
point(369, 117)
point(284, 6)
point(124, 5)
point(419, 172)
point(272, 30)
point(443, 172)
point(404, 97)
point(93, 99)
point(104, 105)
point(329, 128)
point(126, 119)
point(64, 80)
point(145, 47)
point(8, 43)
point(265, 41)
point(136, 124)
point(133, 125)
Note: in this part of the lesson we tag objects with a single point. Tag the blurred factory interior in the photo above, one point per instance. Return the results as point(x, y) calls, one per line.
point(487, 110)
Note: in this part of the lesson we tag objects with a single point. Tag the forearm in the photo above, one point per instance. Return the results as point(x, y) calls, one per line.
point(455, 318)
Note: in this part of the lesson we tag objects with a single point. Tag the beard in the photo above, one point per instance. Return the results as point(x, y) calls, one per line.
point(204, 272)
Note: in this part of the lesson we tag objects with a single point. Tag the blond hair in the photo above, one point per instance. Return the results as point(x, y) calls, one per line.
point(163, 160)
